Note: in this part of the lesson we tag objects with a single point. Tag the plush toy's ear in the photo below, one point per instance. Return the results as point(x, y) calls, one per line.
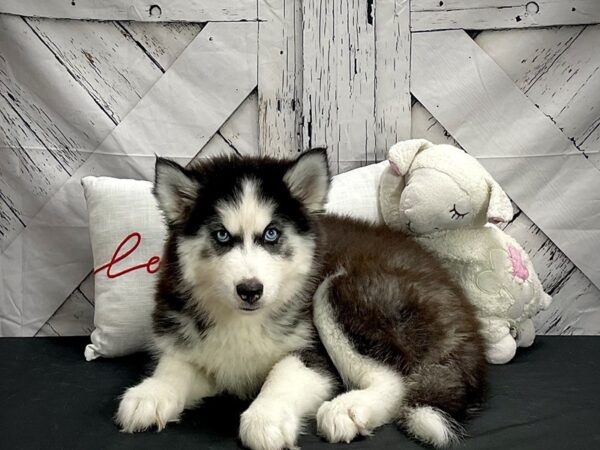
point(175, 189)
point(499, 208)
point(308, 179)
point(403, 153)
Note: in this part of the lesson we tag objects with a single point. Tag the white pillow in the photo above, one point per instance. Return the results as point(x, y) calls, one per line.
point(122, 213)
point(120, 209)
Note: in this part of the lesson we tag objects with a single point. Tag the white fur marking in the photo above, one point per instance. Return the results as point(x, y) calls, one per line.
point(291, 393)
point(380, 390)
point(432, 426)
point(161, 398)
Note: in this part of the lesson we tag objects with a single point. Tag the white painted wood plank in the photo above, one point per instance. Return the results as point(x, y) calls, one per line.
point(162, 42)
point(279, 77)
point(392, 74)
point(338, 82)
point(241, 129)
point(566, 85)
point(87, 287)
point(425, 126)
point(216, 146)
point(138, 10)
point(475, 100)
point(103, 59)
point(29, 172)
point(75, 317)
point(574, 313)
point(53, 104)
point(428, 15)
point(526, 55)
point(180, 113)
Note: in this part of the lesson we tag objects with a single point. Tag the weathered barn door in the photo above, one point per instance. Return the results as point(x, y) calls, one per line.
point(515, 83)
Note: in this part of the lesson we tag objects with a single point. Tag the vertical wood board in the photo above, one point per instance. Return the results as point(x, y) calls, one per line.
point(338, 81)
point(392, 74)
point(279, 83)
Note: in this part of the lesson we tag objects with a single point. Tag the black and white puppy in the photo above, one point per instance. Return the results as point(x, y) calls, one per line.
point(252, 269)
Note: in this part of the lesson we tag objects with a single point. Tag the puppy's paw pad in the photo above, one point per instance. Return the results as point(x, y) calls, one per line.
point(341, 421)
point(151, 403)
point(268, 428)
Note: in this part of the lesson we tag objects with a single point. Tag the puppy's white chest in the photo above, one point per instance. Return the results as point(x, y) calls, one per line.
point(239, 356)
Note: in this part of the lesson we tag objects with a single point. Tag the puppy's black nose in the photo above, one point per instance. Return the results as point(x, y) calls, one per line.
point(250, 290)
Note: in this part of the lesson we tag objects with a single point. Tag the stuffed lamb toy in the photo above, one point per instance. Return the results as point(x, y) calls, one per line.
point(450, 203)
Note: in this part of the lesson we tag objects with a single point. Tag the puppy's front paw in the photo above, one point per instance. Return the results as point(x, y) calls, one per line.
point(343, 418)
point(269, 426)
point(152, 402)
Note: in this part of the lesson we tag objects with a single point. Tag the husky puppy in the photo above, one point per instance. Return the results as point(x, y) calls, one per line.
point(262, 296)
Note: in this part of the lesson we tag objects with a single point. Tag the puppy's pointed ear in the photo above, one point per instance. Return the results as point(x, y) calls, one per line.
point(308, 179)
point(175, 189)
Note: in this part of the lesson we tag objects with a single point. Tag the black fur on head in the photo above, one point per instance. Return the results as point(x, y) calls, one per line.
point(188, 196)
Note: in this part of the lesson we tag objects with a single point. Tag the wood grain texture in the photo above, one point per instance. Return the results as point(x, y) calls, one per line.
point(138, 10)
point(339, 80)
point(100, 57)
point(280, 77)
point(392, 74)
point(161, 42)
point(209, 91)
point(74, 318)
point(559, 71)
point(429, 15)
point(240, 131)
point(63, 92)
point(477, 92)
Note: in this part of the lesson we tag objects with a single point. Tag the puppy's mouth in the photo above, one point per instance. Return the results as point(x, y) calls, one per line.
point(249, 308)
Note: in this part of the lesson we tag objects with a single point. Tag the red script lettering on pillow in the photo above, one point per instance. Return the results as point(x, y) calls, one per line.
point(151, 265)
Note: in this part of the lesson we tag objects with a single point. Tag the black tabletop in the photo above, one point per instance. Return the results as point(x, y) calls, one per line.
point(548, 397)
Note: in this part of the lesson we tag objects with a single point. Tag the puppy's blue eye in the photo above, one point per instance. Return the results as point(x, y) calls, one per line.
point(223, 236)
point(271, 235)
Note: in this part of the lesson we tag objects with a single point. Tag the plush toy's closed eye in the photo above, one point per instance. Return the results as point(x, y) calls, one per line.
point(455, 214)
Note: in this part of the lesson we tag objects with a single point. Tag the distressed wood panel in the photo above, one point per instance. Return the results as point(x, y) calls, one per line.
point(211, 78)
point(280, 77)
point(53, 104)
point(74, 318)
point(100, 57)
point(87, 287)
point(575, 313)
point(29, 171)
point(162, 42)
point(477, 92)
point(392, 74)
point(338, 82)
point(428, 15)
point(77, 67)
point(562, 76)
point(138, 10)
point(241, 129)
